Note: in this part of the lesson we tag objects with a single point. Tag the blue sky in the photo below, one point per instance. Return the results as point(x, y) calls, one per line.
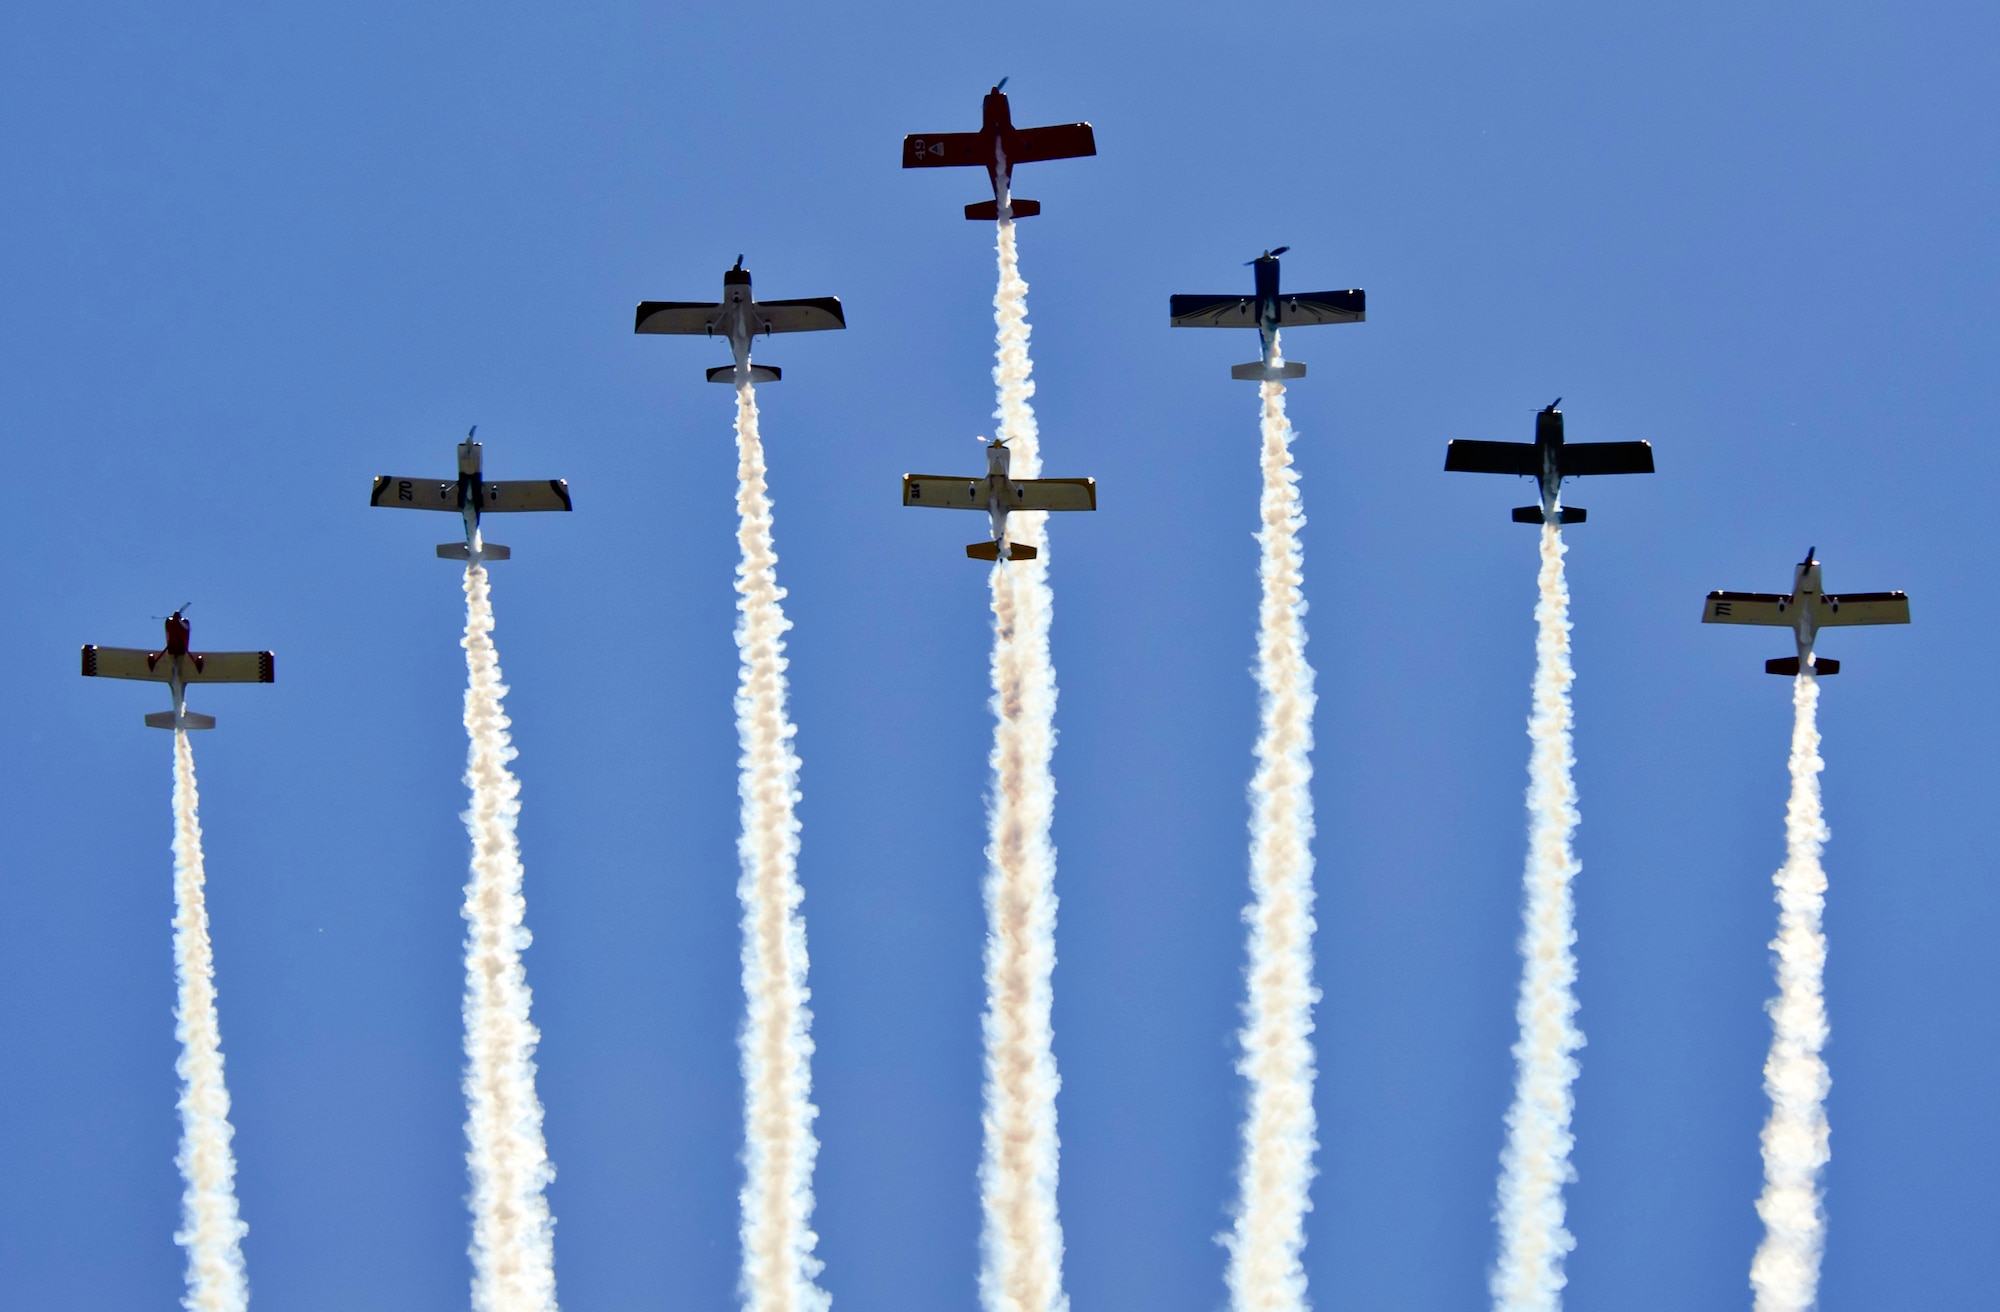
point(250, 258)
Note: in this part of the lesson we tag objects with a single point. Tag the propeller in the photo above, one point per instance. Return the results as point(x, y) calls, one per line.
point(739, 265)
point(1269, 255)
point(1001, 85)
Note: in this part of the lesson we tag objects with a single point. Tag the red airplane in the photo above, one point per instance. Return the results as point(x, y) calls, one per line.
point(997, 147)
point(177, 667)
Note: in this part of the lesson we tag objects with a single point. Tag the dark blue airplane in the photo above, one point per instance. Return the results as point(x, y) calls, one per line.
point(1268, 310)
point(1548, 460)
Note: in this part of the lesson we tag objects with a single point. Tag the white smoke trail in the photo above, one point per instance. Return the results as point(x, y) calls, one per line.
point(775, 1046)
point(211, 1230)
point(1276, 1171)
point(1536, 1164)
point(1785, 1273)
point(513, 1235)
point(1021, 1244)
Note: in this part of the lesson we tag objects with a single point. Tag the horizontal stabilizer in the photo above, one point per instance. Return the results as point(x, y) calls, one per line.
point(990, 209)
point(189, 720)
point(1255, 372)
point(459, 551)
point(759, 373)
point(1789, 666)
point(991, 551)
point(1565, 515)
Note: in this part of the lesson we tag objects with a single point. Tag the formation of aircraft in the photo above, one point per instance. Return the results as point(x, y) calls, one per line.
point(1805, 612)
point(999, 494)
point(1267, 310)
point(740, 318)
point(470, 495)
point(177, 667)
point(1549, 460)
point(997, 147)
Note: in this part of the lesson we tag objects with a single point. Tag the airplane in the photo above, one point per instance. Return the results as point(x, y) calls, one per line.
point(177, 667)
point(471, 496)
point(740, 318)
point(1805, 613)
point(997, 147)
point(1548, 460)
point(1267, 310)
point(998, 494)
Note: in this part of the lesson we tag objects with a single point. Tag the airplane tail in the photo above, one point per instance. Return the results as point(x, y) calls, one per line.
point(1789, 666)
point(459, 551)
point(1255, 372)
point(759, 373)
point(188, 720)
point(1566, 515)
point(990, 209)
point(991, 551)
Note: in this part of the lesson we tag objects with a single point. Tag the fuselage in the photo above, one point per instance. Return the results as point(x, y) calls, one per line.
point(737, 318)
point(1803, 607)
point(470, 476)
point(1548, 444)
point(1265, 268)
point(176, 656)
point(996, 124)
point(999, 487)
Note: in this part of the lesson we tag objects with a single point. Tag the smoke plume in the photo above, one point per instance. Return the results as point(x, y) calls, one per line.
point(1536, 1161)
point(1785, 1272)
point(1022, 1245)
point(210, 1230)
point(513, 1235)
point(1276, 1170)
point(775, 1044)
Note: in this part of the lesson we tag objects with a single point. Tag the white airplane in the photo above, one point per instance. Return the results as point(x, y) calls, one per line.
point(471, 495)
point(1805, 613)
point(998, 494)
point(177, 667)
point(740, 317)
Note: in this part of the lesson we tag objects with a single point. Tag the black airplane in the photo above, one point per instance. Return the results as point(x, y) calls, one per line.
point(1549, 461)
point(1268, 310)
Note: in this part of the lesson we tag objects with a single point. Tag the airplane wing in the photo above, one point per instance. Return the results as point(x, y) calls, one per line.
point(1212, 312)
point(1584, 458)
point(1864, 608)
point(123, 663)
point(530, 494)
point(228, 667)
point(1062, 141)
point(1493, 458)
point(808, 316)
point(944, 150)
point(1747, 608)
point(1323, 307)
point(415, 493)
point(1055, 494)
point(944, 492)
point(690, 317)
